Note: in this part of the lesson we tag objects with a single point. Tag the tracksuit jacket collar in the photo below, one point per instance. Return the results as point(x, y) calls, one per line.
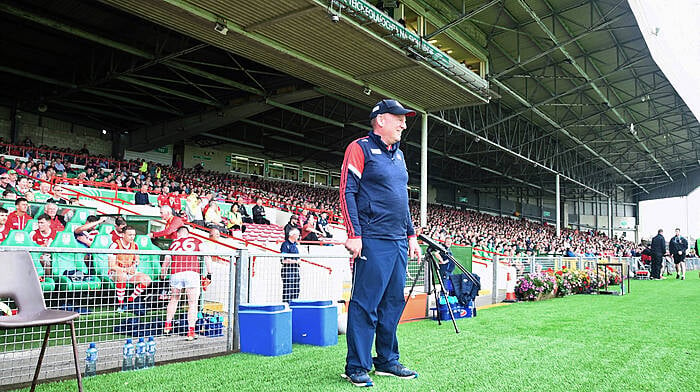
point(378, 140)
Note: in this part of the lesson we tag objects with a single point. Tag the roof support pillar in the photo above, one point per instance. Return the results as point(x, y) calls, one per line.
point(558, 201)
point(424, 170)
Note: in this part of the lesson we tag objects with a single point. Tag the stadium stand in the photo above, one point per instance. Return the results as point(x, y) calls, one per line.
point(119, 180)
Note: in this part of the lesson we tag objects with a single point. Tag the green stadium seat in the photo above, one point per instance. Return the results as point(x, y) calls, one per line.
point(62, 262)
point(21, 238)
point(148, 264)
point(71, 226)
point(105, 229)
point(31, 225)
point(153, 199)
point(80, 216)
point(101, 261)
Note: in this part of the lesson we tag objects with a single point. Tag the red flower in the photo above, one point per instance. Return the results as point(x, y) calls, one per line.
point(560, 273)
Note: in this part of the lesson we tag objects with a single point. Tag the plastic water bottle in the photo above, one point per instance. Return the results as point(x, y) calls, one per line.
point(128, 356)
point(140, 354)
point(151, 352)
point(91, 361)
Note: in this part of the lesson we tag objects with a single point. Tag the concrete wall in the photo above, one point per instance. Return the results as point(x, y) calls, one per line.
point(53, 132)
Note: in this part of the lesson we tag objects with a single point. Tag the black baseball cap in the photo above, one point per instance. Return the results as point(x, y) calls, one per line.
point(390, 106)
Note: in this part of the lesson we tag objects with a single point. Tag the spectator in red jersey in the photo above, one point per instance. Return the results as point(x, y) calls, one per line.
point(58, 223)
point(4, 228)
point(45, 233)
point(18, 218)
point(119, 225)
point(123, 268)
point(175, 203)
point(43, 236)
point(185, 275)
point(164, 197)
point(309, 232)
point(172, 223)
point(86, 233)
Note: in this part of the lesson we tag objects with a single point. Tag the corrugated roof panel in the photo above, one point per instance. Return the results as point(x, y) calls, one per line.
point(349, 51)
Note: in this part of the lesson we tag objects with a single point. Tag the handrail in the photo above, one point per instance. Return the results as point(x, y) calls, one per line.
point(246, 242)
point(266, 201)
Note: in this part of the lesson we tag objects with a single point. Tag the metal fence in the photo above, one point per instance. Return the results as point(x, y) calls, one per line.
point(79, 279)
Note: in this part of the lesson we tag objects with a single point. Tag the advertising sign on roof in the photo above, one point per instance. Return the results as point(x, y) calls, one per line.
point(396, 29)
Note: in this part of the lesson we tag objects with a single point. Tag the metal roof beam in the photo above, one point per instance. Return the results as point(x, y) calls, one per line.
point(511, 152)
point(560, 46)
point(121, 46)
point(565, 132)
point(470, 163)
point(152, 86)
point(96, 92)
point(578, 68)
point(460, 19)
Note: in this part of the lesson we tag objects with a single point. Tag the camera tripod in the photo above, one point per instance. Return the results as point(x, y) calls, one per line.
point(434, 277)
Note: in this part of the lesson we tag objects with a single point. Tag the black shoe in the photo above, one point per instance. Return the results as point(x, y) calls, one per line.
point(682, 277)
point(358, 378)
point(678, 276)
point(397, 370)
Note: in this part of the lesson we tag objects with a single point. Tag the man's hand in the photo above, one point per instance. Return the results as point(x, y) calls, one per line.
point(413, 249)
point(354, 246)
point(680, 252)
point(150, 235)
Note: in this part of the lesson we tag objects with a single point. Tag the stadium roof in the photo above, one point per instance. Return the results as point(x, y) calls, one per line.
point(567, 79)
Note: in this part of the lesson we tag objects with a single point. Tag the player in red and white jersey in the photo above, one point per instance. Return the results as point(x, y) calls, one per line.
point(122, 268)
point(44, 236)
point(119, 225)
point(185, 274)
point(4, 228)
point(18, 218)
point(86, 233)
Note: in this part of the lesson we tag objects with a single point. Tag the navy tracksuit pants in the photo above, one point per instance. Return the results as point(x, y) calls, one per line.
point(376, 304)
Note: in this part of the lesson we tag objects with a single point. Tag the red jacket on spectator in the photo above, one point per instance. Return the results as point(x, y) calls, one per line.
point(17, 221)
point(56, 224)
point(171, 226)
point(163, 200)
point(43, 240)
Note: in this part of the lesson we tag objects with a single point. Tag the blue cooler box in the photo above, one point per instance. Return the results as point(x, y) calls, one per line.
point(314, 322)
point(265, 329)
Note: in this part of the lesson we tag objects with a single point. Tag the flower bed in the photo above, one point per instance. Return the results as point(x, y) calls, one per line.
point(550, 283)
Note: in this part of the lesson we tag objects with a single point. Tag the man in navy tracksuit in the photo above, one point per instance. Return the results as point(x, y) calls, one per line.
point(374, 202)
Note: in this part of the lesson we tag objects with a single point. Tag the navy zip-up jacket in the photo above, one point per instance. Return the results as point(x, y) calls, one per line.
point(374, 190)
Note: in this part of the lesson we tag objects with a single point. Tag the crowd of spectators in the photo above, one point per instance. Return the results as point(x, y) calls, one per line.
point(195, 189)
point(513, 236)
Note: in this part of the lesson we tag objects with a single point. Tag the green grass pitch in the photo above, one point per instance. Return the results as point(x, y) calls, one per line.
point(648, 340)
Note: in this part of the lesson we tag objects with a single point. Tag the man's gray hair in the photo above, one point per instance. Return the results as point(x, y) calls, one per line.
point(166, 208)
point(294, 231)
